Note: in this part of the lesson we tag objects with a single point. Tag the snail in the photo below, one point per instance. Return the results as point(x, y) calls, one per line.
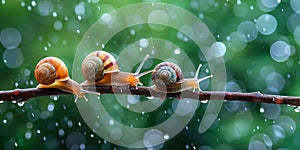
point(51, 72)
point(168, 77)
point(101, 68)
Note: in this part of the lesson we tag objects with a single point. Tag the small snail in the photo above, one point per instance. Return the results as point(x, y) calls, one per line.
point(101, 68)
point(51, 72)
point(168, 77)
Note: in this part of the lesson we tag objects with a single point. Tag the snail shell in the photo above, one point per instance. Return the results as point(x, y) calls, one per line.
point(50, 69)
point(168, 77)
point(97, 64)
point(167, 74)
point(51, 72)
point(101, 68)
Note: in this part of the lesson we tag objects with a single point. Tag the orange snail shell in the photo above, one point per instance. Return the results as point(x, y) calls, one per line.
point(165, 74)
point(98, 63)
point(49, 70)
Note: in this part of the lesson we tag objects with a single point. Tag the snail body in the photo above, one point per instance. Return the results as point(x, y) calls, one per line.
point(168, 77)
point(101, 68)
point(51, 72)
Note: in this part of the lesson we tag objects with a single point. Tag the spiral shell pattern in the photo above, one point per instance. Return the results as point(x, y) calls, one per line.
point(166, 73)
point(50, 69)
point(97, 64)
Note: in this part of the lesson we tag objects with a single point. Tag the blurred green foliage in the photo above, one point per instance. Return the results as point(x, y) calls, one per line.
point(58, 30)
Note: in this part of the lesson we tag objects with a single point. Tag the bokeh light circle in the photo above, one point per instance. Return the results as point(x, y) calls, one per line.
point(10, 38)
point(295, 5)
point(280, 51)
point(93, 111)
point(266, 24)
point(247, 31)
point(13, 58)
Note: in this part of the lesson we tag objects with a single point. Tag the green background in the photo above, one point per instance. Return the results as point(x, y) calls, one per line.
point(247, 70)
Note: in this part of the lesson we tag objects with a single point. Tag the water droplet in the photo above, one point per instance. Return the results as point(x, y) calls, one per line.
point(177, 51)
point(10, 38)
point(266, 24)
point(9, 115)
point(70, 124)
point(241, 9)
point(132, 32)
point(144, 43)
point(234, 42)
point(204, 101)
point(80, 9)
point(28, 134)
point(297, 35)
point(57, 25)
point(45, 8)
point(116, 133)
point(219, 49)
point(271, 4)
point(54, 14)
point(260, 141)
point(295, 5)
point(61, 132)
point(158, 16)
point(13, 58)
point(33, 3)
point(106, 18)
point(280, 51)
point(275, 82)
point(166, 136)
point(29, 8)
point(276, 133)
point(21, 104)
point(111, 122)
point(79, 18)
point(133, 99)
point(271, 111)
point(29, 125)
point(33, 115)
point(153, 137)
point(75, 139)
point(247, 31)
point(51, 107)
point(261, 110)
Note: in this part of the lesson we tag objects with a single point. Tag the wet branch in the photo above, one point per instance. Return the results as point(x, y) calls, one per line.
point(20, 95)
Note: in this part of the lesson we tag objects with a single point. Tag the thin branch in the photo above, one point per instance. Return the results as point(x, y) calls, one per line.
point(19, 95)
